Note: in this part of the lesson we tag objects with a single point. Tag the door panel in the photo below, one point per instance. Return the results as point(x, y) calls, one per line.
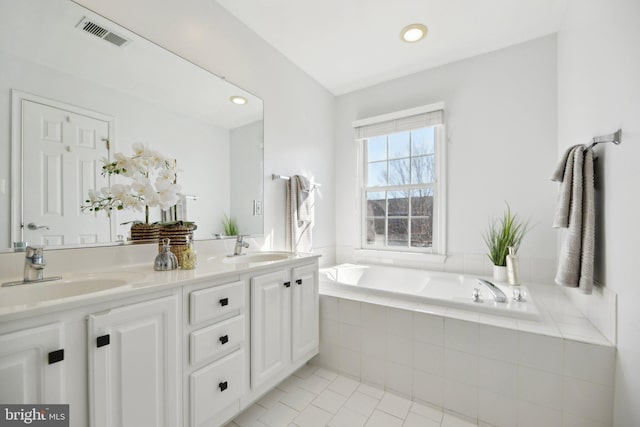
point(305, 312)
point(25, 375)
point(67, 148)
point(134, 374)
point(270, 326)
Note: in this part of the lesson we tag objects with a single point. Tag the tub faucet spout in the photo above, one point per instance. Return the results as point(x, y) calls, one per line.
point(498, 295)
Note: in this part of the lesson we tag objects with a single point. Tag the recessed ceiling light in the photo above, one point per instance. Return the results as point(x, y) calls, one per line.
point(413, 33)
point(239, 100)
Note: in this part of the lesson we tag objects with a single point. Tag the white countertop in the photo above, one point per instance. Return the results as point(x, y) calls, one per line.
point(80, 288)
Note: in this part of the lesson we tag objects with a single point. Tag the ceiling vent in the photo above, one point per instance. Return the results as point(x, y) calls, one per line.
point(91, 27)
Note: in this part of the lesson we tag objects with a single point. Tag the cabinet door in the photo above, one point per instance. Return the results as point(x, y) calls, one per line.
point(133, 365)
point(26, 376)
point(270, 325)
point(305, 315)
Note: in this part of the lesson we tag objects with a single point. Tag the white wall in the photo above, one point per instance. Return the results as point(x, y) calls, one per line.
point(136, 120)
point(501, 124)
point(246, 147)
point(298, 112)
point(599, 92)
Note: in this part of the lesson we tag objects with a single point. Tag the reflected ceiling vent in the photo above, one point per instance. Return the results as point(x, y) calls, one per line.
point(99, 31)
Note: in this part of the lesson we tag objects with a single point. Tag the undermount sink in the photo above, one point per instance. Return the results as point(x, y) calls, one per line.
point(71, 286)
point(257, 257)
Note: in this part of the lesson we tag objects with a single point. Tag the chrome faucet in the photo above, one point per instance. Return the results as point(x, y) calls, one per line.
point(240, 243)
point(498, 295)
point(34, 264)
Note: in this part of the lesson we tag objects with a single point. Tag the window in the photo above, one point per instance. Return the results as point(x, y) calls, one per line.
point(402, 191)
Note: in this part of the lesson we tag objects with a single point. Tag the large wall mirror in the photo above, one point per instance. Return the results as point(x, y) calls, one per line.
point(77, 88)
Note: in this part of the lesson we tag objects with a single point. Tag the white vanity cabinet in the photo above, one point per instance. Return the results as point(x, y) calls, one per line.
point(192, 353)
point(284, 322)
point(216, 368)
point(134, 374)
point(32, 365)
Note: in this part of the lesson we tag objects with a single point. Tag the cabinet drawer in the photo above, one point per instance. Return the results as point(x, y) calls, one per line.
point(214, 340)
point(216, 386)
point(217, 301)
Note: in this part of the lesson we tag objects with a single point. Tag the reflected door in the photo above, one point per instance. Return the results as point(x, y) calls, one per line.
point(61, 163)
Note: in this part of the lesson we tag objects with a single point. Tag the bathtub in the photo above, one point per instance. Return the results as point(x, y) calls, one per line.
point(437, 288)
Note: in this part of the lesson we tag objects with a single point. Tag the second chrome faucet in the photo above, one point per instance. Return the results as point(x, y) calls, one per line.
point(240, 243)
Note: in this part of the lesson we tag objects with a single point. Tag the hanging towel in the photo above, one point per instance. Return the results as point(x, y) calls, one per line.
point(576, 212)
point(303, 188)
point(300, 214)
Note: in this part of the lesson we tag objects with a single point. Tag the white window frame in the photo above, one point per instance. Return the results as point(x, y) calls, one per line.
point(437, 252)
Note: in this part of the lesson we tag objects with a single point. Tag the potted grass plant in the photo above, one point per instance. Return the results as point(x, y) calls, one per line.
point(503, 232)
point(230, 226)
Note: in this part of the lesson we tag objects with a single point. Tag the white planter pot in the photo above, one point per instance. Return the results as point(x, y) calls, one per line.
point(499, 273)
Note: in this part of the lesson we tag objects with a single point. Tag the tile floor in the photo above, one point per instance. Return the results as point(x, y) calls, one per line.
point(316, 397)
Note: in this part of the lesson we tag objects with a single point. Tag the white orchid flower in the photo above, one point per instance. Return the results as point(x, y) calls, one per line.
point(143, 167)
point(139, 149)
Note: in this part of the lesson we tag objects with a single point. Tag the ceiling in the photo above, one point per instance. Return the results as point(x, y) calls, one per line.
point(139, 68)
point(347, 45)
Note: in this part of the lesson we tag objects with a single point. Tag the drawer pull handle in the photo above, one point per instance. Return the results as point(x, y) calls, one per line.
point(56, 356)
point(103, 340)
point(224, 301)
point(299, 281)
point(224, 339)
point(223, 386)
point(287, 284)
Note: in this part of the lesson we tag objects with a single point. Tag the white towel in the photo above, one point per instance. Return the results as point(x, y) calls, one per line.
point(576, 212)
point(303, 189)
point(300, 214)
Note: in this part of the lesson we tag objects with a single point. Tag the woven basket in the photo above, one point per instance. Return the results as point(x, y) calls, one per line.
point(145, 232)
point(178, 236)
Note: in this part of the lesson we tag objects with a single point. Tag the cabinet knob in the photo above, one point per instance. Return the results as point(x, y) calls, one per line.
point(224, 339)
point(223, 386)
point(224, 301)
point(56, 356)
point(299, 281)
point(103, 340)
point(287, 284)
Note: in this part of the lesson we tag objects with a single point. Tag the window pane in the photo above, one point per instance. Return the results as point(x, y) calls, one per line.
point(375, 231)
point(377, 174)
point(376, 205)
point(398, 203)
point(377, 148)
point(423, 169)
point(399, 172)
point(399, 145)
point(398, 232)
point(422, 202)
point(422, 232)
point(422, 141)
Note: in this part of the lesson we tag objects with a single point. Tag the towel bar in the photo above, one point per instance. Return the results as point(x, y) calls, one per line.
point(287, 178)
point(615, 137)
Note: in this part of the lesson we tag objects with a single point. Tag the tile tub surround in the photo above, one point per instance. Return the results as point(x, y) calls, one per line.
point(498, 371)
point(319, 397)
